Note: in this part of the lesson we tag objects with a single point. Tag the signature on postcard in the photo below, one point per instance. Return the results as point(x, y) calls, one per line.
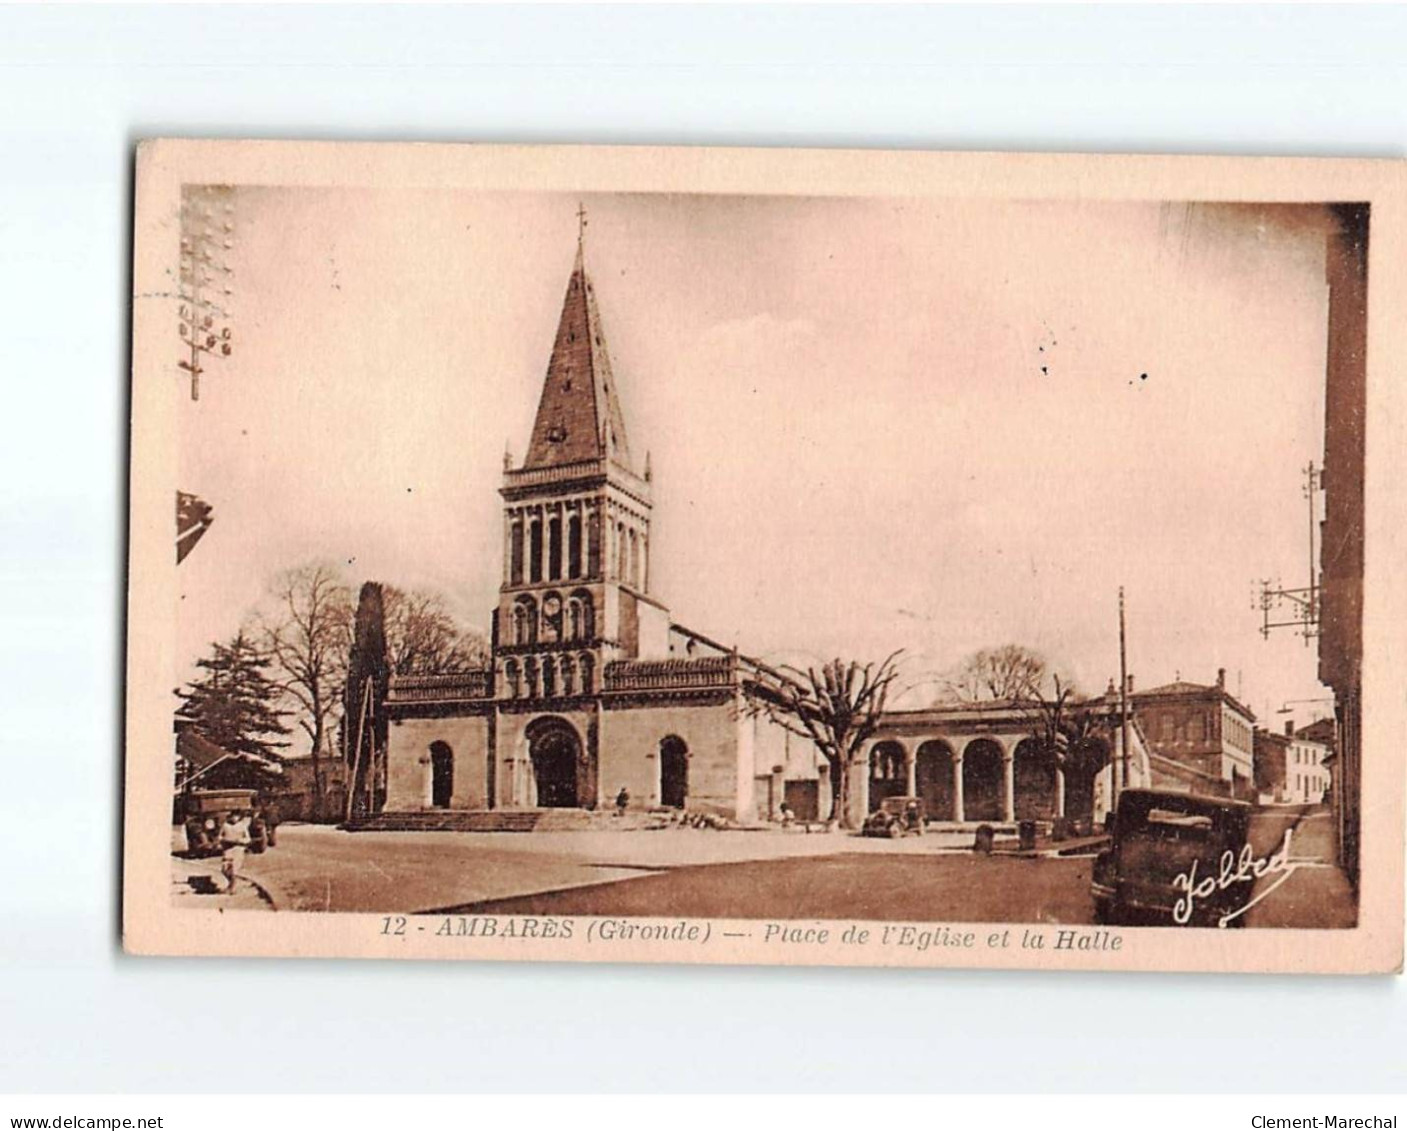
point(1235, 868)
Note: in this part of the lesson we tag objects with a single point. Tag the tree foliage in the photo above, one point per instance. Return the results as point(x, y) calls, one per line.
point(837, 706)
point(306, 632)
point(235, 703)
point(368, 670)
point(1058, 717)
point(326, 647)
point(1007, 672)
point(422, 638)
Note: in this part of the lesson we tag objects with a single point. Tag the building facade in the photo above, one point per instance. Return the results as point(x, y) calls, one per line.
point(1201, 737)
point(1272, 751)
point(980, 762)
point(593, 689)
point(1341, 554)
point(1293, 767)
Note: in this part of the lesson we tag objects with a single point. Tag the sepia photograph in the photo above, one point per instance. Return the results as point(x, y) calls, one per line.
point(597, 565)
point(715, 565)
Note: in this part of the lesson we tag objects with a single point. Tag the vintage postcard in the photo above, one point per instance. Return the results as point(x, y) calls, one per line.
point(742, 556)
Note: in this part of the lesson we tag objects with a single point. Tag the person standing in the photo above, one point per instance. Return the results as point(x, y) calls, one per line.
point(234, 838)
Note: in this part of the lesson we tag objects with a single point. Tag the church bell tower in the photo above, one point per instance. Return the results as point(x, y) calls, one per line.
point(576, 524)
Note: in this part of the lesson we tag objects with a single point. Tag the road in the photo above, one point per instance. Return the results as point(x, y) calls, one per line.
point(704, 873)
point(1314, 893)
point(908, 888)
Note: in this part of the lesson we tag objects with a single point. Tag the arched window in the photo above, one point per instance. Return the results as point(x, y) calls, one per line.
point(620, 551)
point(634, 560)
point(535, 551)
point(593, 544)
point(574, 546)
point(549, 678)
point(552, 614)
point(530, 671)
point(514, 678)
point(581, 607)
point(587, 671)
point(568, 675)
point(515, 568)
point(525, 621)
point(554, 548)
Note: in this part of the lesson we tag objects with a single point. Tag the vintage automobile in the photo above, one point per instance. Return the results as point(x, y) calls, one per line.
point(1164, 864)
point(205, 811)
point(896, 817)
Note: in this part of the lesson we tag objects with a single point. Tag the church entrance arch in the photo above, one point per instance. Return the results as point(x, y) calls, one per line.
point(441, 774)
point(555, 751)
point(674, 772)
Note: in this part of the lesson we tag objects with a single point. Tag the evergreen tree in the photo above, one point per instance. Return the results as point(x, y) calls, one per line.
point(363, 719)
point(234, 703)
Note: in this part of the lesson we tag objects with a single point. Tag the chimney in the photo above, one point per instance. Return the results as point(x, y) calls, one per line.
point(1130, 689)
point(1221, 679)
point(1289, 728)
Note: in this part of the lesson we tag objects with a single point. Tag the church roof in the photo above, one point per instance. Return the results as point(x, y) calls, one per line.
point(578, 416)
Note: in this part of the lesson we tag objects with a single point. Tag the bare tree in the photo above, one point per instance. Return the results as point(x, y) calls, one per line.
point(1007, 672)
point(307, 633)
point(422, 638)
point(837, 706)
point(1053, 709)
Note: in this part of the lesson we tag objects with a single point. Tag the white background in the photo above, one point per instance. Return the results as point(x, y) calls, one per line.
point(78, 87)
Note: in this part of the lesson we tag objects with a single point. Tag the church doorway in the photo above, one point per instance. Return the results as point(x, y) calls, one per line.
point(441, 774)
point(555, 751)
point(674, 772)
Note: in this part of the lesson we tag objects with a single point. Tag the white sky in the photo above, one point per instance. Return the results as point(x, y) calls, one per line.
point(854, 445)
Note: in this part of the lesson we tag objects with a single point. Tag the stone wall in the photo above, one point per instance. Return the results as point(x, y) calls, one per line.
point(408, 761)
point(630, 754)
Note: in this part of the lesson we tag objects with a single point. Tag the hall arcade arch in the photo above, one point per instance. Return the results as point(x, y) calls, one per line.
point(982, 763)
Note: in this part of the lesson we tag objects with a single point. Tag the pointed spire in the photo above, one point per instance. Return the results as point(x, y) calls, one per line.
point(578, 415)
point(648, 474)
point(507, 455)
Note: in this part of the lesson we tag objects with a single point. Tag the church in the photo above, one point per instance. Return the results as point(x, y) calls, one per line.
point(593, 688)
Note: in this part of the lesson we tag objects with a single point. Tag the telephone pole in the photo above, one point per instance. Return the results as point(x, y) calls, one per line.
point(1301, 605)
point(1120, 772)
point(206, 278)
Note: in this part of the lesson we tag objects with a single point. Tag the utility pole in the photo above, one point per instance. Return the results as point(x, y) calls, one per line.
point(206, 279)
point(1121, 774)
point(1303, 604)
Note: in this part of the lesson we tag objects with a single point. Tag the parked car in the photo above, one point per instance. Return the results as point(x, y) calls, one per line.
point(205, 811)
point(1162, 843)
point(896, 817)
